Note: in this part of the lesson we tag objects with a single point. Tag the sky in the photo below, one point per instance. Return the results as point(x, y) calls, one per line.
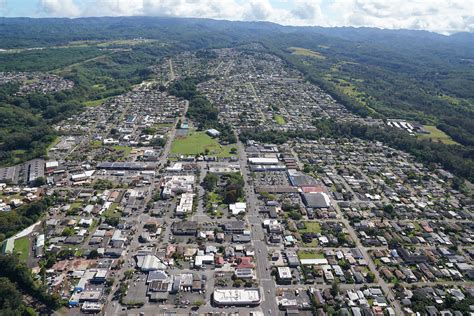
point(441, 16)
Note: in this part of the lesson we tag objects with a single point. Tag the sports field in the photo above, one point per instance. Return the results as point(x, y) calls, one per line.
point(197, 143)
point(22, 246)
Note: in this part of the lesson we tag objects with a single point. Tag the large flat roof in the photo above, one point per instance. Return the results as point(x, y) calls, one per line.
point(236, 296)
point(263, 160)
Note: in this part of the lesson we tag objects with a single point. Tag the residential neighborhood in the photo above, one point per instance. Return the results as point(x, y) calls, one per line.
point(154, 216)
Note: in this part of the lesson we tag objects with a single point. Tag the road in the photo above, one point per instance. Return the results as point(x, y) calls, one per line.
point(268, 289)
point(142, 218)
point(166, 150)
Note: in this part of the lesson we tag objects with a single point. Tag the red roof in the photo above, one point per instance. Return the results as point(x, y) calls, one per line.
point(309, 189)
point(245, 262)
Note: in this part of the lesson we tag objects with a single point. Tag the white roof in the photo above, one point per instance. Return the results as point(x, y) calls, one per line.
point(150, 263)
point(260, 160)
point(233, 296)
point(313, 261)
point(52, 164)
point(237, 208)
point(203, 258)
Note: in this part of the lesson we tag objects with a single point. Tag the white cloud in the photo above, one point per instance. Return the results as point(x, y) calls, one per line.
point(113, 8)
point(444, 16)
point(60, 8)
point(3, 7)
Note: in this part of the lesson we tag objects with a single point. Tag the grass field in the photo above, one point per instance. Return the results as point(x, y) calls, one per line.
point(112, 211)
point(123, 150)
point(349, 89)
point(306, 254)
point(306, 52)
point(311, 227)
point(22, 246)
point(437, 135)
point(95, 102)
point(196, 143)
point(280, 120)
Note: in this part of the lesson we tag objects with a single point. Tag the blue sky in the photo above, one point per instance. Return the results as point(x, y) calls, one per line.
point(443, 16)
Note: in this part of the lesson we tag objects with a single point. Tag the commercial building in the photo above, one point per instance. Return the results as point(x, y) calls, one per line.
point(213, 132)
point(236, 297)
point(316, 200)
point(263, 161)
point(185, 204)
point(177, 184)
point(127, 165)
point(284, 275)
point(237, 208)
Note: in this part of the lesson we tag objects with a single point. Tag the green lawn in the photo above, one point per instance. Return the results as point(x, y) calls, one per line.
point(94, 102)
point(311, 227)
point(305, 254)
point(22, 246)
point(215, 198)
point(111, 211)
point(437, 135)
point(196, 143)
point(124, 150)
point(306, 52)
point(53, 143)
point(280, 120)
point(313, 244)
point(96, 144)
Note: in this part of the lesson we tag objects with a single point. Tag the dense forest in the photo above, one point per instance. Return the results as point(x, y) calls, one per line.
point(17, 283)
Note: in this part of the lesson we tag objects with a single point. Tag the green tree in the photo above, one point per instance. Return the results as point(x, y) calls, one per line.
point(210, 181)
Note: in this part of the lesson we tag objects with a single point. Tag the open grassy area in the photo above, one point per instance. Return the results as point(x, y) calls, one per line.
point(311, 227)
point(95, 144)
point(306, 52)
point(122, 151)
point(56, 141)
point(349, 89)
point(95, 102)
point(215, 198)
point(280, 120)
point(22, 246)
point(307, 254)
point(437, 135)
point(112, 211)
point(197, 143)
point(76, 205)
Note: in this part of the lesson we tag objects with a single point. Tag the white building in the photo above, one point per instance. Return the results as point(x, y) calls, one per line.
point(185, 204)
point(237, 208)
point(213, 132)
point(237, 297)
point(177, 185)
point(263, 161)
